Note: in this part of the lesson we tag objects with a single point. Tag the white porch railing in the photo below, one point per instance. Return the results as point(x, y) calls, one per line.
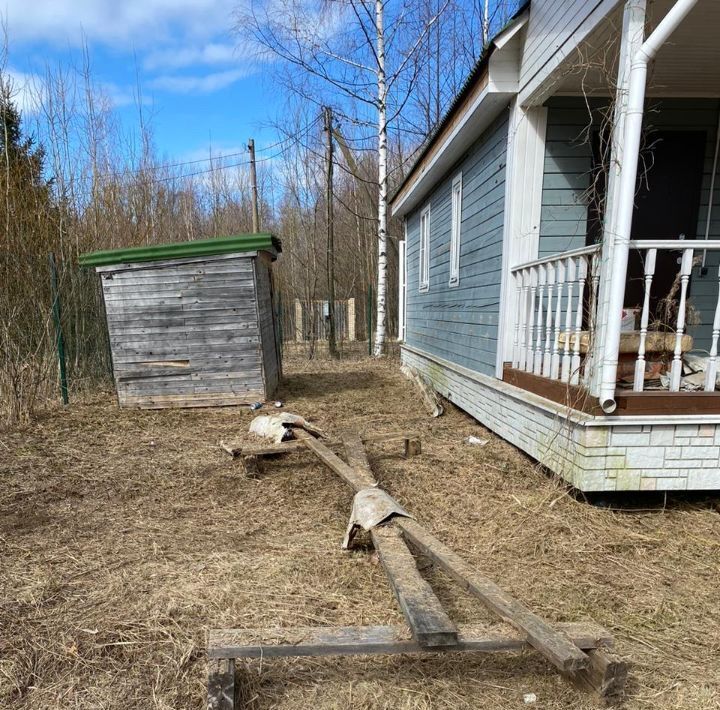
point(550, 296)
point(649, 251)
point(553, 333)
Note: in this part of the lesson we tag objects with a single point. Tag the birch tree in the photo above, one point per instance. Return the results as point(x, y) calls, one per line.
point(340, 53)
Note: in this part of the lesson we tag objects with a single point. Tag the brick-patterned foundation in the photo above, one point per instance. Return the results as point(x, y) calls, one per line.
point(589, 452)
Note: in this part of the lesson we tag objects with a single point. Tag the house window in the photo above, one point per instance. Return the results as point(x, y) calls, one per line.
point(425, 249)
point(456, 216)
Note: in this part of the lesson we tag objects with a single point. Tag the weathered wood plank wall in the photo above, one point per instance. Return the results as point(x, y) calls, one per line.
point(185, 332)
point(270, 355)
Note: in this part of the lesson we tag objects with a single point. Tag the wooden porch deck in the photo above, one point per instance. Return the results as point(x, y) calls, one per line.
point(648, 403)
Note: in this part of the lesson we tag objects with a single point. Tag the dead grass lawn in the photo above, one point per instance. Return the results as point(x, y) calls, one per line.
point(125, 535)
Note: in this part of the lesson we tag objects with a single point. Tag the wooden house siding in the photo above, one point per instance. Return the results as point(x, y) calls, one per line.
point(567, 175)
point(555, 29)
point(460, 323)
point(184, 332)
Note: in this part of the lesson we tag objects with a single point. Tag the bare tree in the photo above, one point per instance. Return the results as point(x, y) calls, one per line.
point(344, 49)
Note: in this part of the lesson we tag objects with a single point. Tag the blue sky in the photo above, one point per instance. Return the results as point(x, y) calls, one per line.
point(199, 86)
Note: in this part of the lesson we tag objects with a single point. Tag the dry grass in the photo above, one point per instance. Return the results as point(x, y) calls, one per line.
point(125, 535)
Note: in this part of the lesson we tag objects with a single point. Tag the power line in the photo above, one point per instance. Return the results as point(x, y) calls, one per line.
point(165, 166)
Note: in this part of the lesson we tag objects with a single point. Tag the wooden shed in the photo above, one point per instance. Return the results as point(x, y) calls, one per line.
point(192, 324)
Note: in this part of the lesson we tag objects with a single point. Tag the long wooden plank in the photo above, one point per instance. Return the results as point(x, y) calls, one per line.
point(288, 447)
point(429, 622)
point(556, 646)
point(372, 640)
point(425, 615)
point(356, 479)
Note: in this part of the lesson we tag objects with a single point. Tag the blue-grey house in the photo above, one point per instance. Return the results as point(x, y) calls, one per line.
point(559, 273)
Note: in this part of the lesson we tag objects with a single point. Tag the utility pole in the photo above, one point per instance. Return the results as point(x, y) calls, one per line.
point(332, 345)
point(253, 180)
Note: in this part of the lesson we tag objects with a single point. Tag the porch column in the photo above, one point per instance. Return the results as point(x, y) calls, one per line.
point(523, 203)
point(620, 220)
point(633, 32)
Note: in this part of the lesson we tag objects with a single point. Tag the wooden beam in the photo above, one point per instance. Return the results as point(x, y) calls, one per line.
point(425, 615)
point(356, 479)
point(373, 640)
point(287, 447)
point(221, 683)
point(556, 646)
point(606, 675)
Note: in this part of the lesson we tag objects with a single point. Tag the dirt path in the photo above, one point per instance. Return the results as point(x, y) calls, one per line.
point(124, 535)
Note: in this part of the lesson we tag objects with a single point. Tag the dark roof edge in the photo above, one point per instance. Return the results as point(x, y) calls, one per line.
point(263, 241)
point(475, 73)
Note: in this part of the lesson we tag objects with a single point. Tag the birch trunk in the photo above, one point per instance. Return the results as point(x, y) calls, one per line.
point(381, 317)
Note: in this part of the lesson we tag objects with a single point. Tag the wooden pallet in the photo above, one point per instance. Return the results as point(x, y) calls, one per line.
point(578, 651)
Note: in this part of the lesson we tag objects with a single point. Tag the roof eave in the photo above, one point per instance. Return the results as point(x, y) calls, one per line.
point(491, 85)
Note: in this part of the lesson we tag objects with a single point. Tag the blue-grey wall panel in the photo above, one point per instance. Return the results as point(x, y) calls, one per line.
point(460, 323)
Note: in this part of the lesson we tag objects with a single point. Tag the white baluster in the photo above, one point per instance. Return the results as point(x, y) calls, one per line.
point(566, 359)
point(555, 360)
point(595, 272)
point(518, 278)
point(537, 362)
point(547, 353)
point(639, 383)
point(530, 353)
point(525, 302)
point(581, 278)
point(711, 371)
point(676, 369)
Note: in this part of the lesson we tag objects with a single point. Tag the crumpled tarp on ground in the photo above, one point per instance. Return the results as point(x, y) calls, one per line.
point(371, 507)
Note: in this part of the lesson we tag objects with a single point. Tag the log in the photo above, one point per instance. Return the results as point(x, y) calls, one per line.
point(373, 640)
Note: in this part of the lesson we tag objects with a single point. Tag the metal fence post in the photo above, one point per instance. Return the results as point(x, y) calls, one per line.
point(59, 340)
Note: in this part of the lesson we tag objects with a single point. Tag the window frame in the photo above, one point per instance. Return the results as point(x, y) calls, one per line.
point(424, 255)
point(455, 229)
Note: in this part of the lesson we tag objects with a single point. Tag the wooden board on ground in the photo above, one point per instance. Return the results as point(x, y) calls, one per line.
point(554, 645)
point(373, 640)
point(410, 439)
point(425, 615)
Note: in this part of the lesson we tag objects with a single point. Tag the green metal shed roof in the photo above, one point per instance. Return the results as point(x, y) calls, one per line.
point(181, 250)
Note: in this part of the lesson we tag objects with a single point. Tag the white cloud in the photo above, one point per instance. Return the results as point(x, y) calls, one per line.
point(116, 22)
point(26, 90)
point(182, 84)
point(180, 57)
point(120, 96)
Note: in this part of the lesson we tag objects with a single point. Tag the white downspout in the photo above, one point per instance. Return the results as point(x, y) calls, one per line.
point(633, 37)
point(626, 193)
